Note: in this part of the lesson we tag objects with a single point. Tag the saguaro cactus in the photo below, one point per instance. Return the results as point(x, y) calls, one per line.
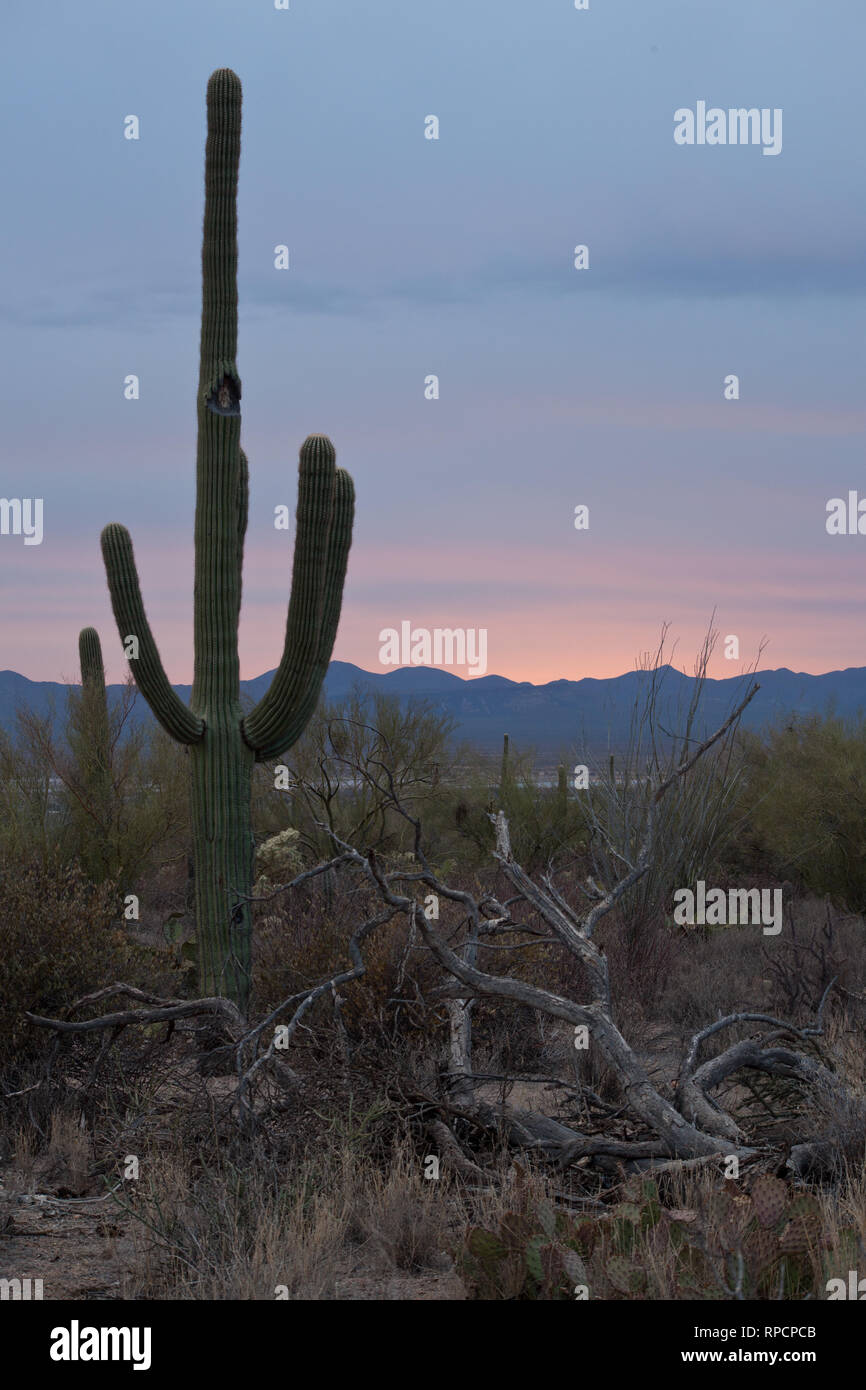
point(90, 741)
point(223, 743)
point(561, 792)
point(505, 773)
point(94, 698)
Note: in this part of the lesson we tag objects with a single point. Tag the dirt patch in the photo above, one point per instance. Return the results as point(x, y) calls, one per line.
point(80, 1249)
point(405, 1288)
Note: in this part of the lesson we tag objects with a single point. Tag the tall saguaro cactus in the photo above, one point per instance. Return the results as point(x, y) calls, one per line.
point(223, 743)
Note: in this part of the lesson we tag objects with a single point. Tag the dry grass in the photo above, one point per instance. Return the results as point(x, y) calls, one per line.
point(226, 1235)
point(402, 1217)
point(254, 1234)
point(63, 1165)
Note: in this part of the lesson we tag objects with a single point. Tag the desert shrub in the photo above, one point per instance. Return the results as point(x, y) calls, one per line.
point(544, 823)
point(343, 765)
point(639, 962)
point(119, 821)
point(60, 938)
point(28, 806)
point(803, 799)
point(699, 817)
point(302, 938)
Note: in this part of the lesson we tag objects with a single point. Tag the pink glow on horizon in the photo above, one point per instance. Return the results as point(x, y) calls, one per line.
point(575, 615)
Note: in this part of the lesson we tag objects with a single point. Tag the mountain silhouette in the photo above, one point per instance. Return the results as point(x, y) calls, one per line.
point(554, 718)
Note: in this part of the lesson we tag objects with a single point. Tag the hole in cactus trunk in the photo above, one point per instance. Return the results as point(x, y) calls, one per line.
point(225, 399)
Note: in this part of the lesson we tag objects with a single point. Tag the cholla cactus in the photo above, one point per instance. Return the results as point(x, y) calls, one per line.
point(223, 743)
point(278, 859)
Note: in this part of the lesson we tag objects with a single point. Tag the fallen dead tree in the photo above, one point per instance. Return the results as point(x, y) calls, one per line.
point(689, 1126)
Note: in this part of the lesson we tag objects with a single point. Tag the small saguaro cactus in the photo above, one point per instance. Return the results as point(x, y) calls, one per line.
point(90, 741)
point(94, 700)
point(505, 774)
point(223, 743)
point(90, 658)
point(561, 792)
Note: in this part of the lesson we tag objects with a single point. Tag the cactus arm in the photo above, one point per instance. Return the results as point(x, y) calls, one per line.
point(326, 503)
point(301, 709)
point(131, 620)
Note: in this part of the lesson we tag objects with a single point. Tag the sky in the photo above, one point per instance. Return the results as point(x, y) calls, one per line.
point(410, 257)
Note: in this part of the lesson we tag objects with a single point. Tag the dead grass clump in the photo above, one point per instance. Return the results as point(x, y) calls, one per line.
point(400, 1216)
point(258, 1233)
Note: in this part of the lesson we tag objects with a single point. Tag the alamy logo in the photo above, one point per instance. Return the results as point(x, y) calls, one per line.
point(76, 1343)
point(855, 1288)
point(737, 907)
point(846, 520)
point(22, 516)
point(736, 126)
point(443, 646)
point(20, 1289)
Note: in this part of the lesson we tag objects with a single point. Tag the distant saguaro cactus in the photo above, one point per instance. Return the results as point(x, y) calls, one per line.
point(561, 792)
point(90, 658)
point(505, 776)
point(223, 743)
point(90, 741)
point(94, 758)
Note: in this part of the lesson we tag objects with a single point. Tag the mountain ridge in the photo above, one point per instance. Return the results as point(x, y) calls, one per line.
point(553, 717)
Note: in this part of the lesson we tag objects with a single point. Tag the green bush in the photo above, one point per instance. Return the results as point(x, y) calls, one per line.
point(544, 822)
point(804, 800)
point(120, 825)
